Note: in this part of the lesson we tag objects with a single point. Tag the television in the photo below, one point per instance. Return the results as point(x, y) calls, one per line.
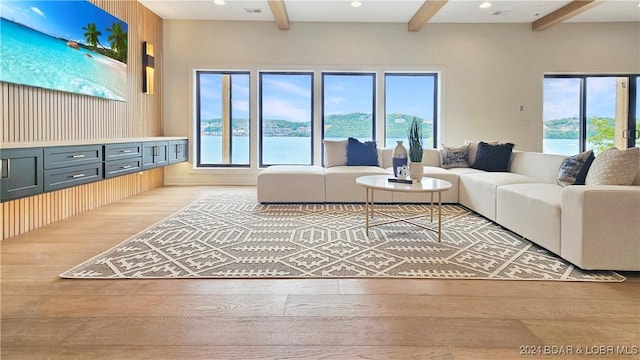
point(71, 46)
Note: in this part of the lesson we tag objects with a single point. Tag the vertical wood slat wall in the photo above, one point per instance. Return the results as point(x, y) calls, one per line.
point(22, 215)
point(32, 114)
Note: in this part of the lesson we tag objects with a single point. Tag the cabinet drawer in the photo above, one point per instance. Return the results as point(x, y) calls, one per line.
point(63, 156)
point(122, 151)
point(121, 167)
point(71, 176)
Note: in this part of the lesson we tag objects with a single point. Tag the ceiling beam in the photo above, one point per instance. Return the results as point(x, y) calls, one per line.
point(566, 12)
point(279, 12)
point(425, 13)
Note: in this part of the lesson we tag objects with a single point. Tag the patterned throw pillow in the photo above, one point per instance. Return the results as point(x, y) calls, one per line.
point(571, 167)
point(614, 167)
point(454, 157)
point(335, 152)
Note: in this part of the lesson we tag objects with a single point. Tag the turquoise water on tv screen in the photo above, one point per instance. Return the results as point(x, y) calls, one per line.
point(32, 58)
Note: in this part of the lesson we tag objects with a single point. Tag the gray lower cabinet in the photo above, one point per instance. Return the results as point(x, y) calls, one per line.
point(154, 154)
point(66, 166)
point(22, 173)
point(122, 159)
point(32, 171)
point(178, 151)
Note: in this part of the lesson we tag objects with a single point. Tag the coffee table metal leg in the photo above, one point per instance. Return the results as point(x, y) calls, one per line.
point(366, 209)
point(431, 208)
point(439, 215)
point(372, 201)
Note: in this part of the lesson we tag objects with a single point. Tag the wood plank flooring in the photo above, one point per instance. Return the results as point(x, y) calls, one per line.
point(45, 317)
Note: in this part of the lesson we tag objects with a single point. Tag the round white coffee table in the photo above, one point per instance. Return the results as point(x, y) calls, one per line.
point(426, 185)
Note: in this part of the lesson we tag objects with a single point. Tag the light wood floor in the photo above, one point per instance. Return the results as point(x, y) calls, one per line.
point(45, 317)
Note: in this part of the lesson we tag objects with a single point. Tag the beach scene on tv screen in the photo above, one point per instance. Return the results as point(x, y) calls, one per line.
point(71, 46)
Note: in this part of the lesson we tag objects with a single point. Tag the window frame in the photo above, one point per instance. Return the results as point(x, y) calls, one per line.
point(631, 111)
point(374, 78)
point(433, 74)
point(198, 129)
point(311, 74)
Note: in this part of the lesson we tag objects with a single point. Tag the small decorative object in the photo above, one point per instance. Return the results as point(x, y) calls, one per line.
point(403, 171)
point(415, 148)
point(399, 157)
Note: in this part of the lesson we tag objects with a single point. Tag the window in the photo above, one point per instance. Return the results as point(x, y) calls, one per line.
point(561, 115)
point(588, 112)
point(286, 118)
point(348, 105)
point(406, 96)
point(222, 118)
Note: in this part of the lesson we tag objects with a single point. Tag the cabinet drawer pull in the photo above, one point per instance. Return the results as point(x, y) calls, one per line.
point(126, 167)
point(78, 156)
point(125, 151)
point(78, 175)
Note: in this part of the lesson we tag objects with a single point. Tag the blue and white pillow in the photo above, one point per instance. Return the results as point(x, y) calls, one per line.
point(573, 166)
point(454, 157)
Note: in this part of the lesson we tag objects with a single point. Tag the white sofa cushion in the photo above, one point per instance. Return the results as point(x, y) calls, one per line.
point(478, 190)
point(537, 165)
point(532, 211)
point(291, 183)
point(600, 227)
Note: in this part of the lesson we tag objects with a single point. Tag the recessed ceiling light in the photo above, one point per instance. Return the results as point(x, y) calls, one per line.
point(219, 2)
point(485, 5)
point(356, 3)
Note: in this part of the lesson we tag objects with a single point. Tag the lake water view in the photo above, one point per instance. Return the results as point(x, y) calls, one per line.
point(296, 150)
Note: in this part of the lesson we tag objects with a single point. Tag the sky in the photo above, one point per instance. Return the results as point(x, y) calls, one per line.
point(63, 19)
point(562, 97)
point(288, 97)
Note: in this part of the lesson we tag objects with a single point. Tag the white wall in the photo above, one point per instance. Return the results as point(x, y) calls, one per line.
point(487, 70)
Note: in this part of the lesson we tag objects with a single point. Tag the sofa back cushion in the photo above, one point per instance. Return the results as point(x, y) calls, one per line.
point(431, 157)
point(385, 156)
point(537, 165)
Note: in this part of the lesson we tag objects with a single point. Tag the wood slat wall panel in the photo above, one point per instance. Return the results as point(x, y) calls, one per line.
point(41, 115)
point(22, 215)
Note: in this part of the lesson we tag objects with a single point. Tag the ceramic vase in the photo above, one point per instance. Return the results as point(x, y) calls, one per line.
point(417, 170)
point(399, 157)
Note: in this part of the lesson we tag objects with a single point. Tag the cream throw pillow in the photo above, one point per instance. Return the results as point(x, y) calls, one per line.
point(335, 152)
point(614, 167)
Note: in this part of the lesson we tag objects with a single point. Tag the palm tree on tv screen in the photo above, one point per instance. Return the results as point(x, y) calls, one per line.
point(118, 41)
point(92, 34)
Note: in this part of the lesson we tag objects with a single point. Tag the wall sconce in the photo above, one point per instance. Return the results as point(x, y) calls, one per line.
point(147, 68)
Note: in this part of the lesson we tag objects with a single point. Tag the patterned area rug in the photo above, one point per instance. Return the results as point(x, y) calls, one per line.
point(233, 236)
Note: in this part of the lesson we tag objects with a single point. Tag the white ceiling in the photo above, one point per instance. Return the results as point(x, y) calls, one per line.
point(390, 11)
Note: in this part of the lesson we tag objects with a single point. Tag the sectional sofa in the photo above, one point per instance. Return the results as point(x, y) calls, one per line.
point(595, 227)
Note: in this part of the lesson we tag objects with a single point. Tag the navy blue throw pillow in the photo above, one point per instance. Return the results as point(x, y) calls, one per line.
point(361, 154)
point(493, 157)
point(582, 175)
